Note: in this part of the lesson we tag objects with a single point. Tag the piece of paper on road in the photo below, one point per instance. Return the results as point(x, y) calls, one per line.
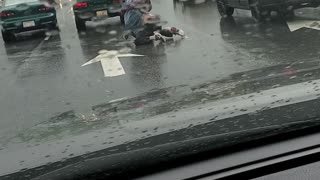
point(298, 24)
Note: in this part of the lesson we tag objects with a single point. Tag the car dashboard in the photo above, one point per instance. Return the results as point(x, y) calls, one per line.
point(297, 158)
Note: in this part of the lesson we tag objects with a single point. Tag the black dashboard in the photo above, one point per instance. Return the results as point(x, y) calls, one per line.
point(296, 158)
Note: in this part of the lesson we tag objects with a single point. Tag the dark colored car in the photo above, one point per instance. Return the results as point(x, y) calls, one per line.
point(86, 10)
point(262, 8)
point(18, 17)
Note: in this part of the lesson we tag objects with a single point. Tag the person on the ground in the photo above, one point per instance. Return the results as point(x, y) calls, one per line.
point(142, 24)
point(151, 32)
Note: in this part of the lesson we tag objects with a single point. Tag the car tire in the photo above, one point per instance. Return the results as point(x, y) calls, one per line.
point(7, 36)
point(80, 24)
point(259, 14)
point(289, 14)
point(122, 18)
point(54, 26)
point(224, 9)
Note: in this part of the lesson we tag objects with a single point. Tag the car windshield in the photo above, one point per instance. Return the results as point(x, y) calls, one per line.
point(16, 2)
point(79, 77)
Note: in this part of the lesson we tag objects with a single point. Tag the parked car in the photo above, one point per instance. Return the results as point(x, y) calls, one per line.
point(18, 17)
point(86, 10)
point(262, 8)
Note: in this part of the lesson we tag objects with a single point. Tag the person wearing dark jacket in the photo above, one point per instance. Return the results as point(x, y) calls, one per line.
point(143, 25)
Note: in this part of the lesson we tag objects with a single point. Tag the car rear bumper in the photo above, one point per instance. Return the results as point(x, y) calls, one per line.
point(41, 23)
point(287, 4)
point(89, 14)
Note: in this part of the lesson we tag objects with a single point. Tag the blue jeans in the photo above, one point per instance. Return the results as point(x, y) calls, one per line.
point(133, 21)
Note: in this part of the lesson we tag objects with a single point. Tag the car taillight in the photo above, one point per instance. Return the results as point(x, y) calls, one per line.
point(5, 14)
point(45, 8)
point(80, 5)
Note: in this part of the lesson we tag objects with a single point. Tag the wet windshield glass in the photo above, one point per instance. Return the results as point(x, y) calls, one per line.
point(15, 2)
point(82, 76)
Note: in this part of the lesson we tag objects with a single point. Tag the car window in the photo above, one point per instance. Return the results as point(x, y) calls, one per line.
point(15, 2)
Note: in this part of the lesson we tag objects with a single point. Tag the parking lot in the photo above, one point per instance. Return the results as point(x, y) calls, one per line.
point(42, 77)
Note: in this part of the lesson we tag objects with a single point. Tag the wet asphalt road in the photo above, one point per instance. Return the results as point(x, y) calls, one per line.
point(42, 77)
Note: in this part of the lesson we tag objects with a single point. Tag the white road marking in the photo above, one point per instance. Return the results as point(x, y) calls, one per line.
point(112, 67)
point(117, 100)
point(129, 55)
point(298, 24)
point(47, 38)
point(110, 62)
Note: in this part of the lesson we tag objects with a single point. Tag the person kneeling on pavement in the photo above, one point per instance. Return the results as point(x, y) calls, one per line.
point(143, 26)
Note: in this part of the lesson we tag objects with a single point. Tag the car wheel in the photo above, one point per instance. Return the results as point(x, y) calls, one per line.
point(54, 26)
point(122, 18)
point(259, 14)
point(53, 30)
point(80, 24)
point(7, 36)
point(224, 9)
point(289, 14)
